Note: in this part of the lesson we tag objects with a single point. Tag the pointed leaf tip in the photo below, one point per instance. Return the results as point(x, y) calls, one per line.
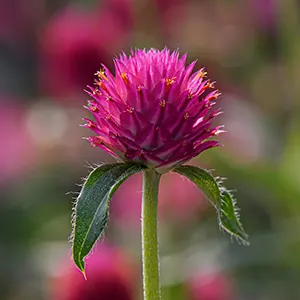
point(220, 198)
point(92, 204)
point(79, 264)
point(229, 217)
point(84, 275)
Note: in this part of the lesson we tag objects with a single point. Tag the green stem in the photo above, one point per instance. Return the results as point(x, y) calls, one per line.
point(149, 236)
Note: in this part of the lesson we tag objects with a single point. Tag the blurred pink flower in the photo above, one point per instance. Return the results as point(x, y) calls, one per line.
point(110, 276)
point(74, 44)
point(213, 286)
point(17, 152)
point(179, 199)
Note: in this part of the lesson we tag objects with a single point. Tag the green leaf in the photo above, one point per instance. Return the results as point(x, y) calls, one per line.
point(92, 204)
point(203, 180)
point(221, 199)
point(229, 217)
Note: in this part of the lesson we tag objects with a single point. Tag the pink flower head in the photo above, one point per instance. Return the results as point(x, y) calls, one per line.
point(110, 276)
point(153, 110)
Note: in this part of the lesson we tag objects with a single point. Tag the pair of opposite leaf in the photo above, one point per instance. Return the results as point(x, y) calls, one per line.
point(92, 205)
point(154, 112)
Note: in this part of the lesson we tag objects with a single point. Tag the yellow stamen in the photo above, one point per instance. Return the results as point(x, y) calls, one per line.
point(169, 82)
point(190, 95)
point(94, 108)
point(101, 84)
point(214, 96)
point(130, 110)
point(186, 115)
point(101, 74)
point(212, 85)
point(162, 103)
point(97, 141)
point(125, 78)
point(201, 74)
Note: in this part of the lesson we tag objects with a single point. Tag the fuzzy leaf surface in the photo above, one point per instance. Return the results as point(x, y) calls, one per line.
point(229, 217)
point(220, 198)
point(92, 205)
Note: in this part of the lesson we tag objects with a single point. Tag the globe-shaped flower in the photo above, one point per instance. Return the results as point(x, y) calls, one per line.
point(153, 110)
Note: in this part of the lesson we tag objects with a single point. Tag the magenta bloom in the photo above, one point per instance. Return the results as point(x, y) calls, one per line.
point(153, 110)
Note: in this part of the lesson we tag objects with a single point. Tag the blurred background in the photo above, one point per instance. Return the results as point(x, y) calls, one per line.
point(49, 52)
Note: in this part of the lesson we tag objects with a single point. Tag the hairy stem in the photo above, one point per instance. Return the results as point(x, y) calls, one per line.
point(149, 236)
